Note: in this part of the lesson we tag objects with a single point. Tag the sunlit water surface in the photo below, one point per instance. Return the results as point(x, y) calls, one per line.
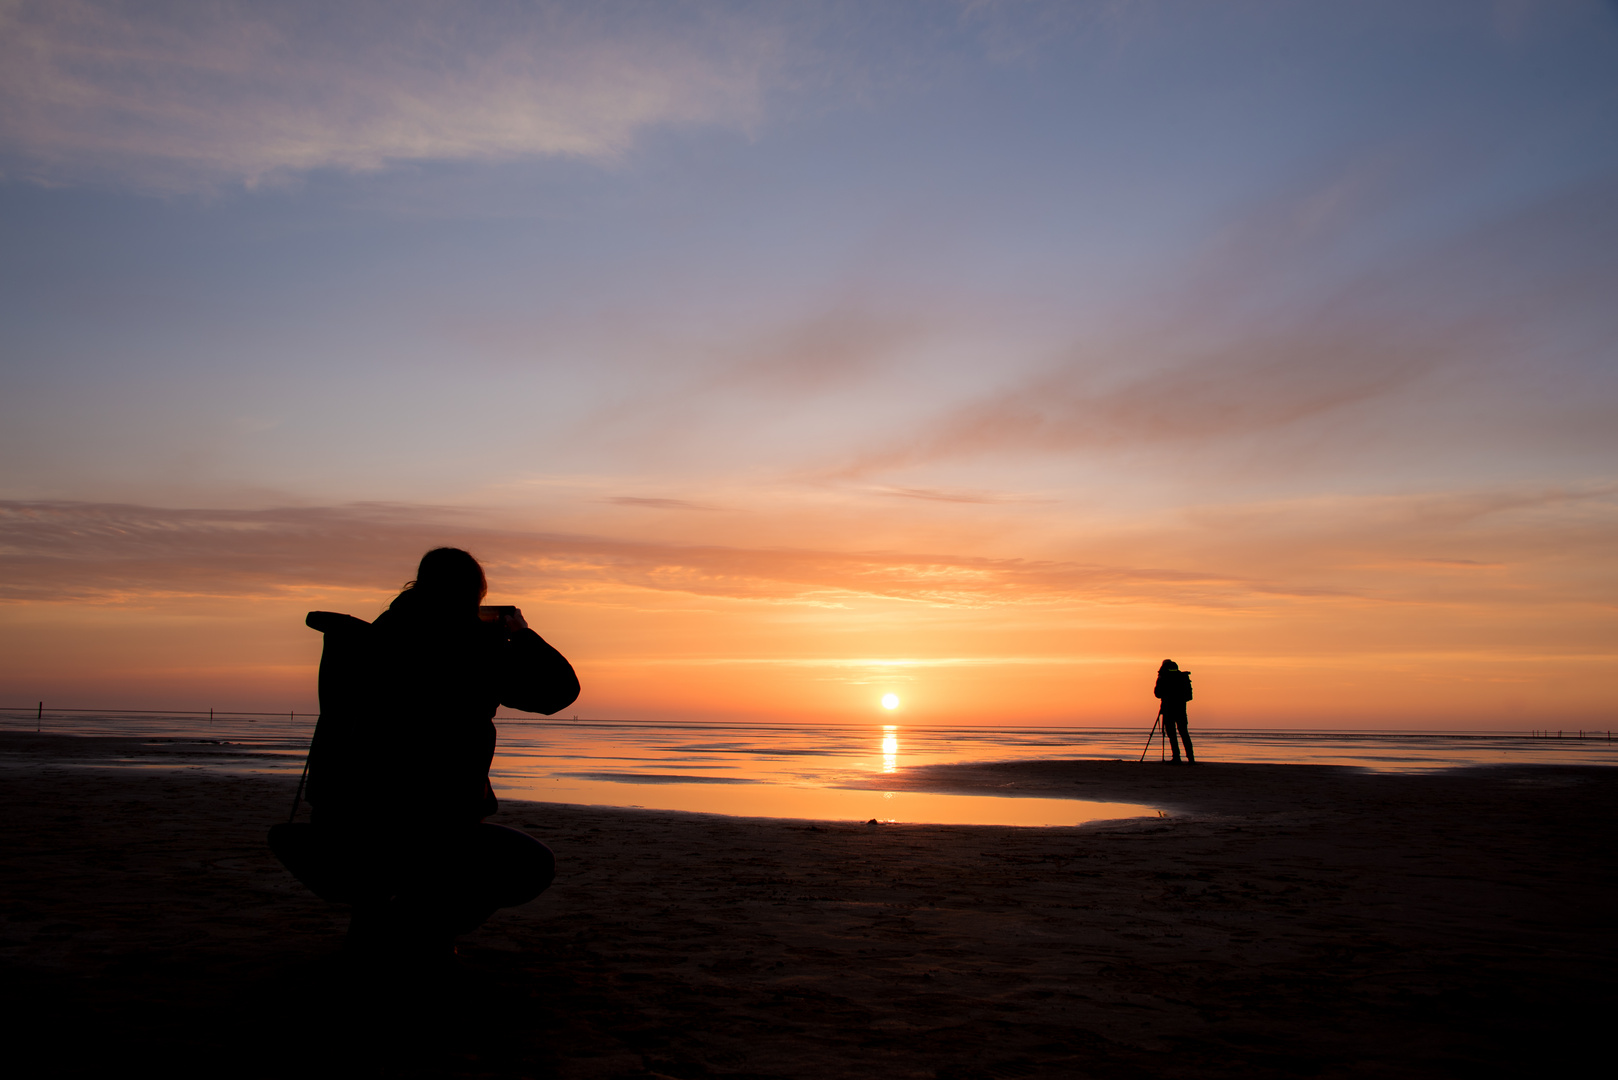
point(833, 772)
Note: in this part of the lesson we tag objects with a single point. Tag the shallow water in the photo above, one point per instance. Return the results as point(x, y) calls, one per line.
point(834, 772)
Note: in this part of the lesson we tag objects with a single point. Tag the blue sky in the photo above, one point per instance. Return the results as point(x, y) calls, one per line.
point(1289, 293)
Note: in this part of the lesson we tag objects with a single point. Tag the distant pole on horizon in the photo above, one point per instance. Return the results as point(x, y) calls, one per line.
point(39, 717)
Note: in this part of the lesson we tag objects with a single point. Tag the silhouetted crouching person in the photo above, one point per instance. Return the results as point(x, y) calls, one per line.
point(1173, 689)
point(399, 765)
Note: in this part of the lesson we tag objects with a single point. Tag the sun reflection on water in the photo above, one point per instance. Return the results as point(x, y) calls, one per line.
point(819, 772)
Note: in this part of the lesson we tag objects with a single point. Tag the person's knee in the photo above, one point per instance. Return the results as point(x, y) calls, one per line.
point(331, 869)
point(516, 866)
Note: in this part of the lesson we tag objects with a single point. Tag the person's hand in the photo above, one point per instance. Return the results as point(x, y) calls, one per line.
point(514, 621)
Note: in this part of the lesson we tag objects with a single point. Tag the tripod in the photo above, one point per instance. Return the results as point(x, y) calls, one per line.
point(1149, 738)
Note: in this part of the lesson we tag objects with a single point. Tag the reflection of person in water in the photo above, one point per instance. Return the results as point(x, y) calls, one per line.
point(406, 735)
point(1173, 689)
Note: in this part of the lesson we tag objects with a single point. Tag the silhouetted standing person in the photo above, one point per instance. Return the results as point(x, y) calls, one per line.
point(1173, 689)
point(399, 765)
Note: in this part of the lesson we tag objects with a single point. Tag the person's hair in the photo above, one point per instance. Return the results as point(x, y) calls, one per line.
point(1169, 665)
point(447, 578)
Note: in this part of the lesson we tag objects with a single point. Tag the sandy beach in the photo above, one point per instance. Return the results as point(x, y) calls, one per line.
point(1280, 921)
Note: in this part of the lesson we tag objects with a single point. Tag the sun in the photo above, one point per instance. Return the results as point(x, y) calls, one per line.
point(890, 701)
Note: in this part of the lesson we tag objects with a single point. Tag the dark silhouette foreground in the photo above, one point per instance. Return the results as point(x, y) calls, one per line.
point(399, 767)
point(1173, 689)
point(1283, 921)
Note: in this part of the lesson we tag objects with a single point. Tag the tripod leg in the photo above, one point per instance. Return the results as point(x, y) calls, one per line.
point(1153, 732)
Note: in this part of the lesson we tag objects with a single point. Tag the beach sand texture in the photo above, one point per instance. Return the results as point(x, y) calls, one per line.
point(1283, 921)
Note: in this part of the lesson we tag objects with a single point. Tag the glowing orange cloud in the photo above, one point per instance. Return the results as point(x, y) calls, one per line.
point(122, 605)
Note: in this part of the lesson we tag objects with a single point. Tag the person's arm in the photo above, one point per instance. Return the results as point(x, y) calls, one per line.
point(536, 678)
point(329, 622)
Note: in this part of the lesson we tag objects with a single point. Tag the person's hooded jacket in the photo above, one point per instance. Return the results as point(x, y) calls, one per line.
point(1173, 687)
point(407, 703)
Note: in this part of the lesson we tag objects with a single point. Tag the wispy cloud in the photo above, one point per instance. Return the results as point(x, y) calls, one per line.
point(1372, 549)
point(952, 495)
point(1254, 388)
point(658, 504)
point(110, 553)
point(827, 351)
point(188, 95)
point(1280, 334)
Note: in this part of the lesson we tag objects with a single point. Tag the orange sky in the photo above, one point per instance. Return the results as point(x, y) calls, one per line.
point(1309, 627)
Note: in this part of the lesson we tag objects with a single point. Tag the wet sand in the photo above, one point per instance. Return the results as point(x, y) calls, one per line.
point(1282, 921)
